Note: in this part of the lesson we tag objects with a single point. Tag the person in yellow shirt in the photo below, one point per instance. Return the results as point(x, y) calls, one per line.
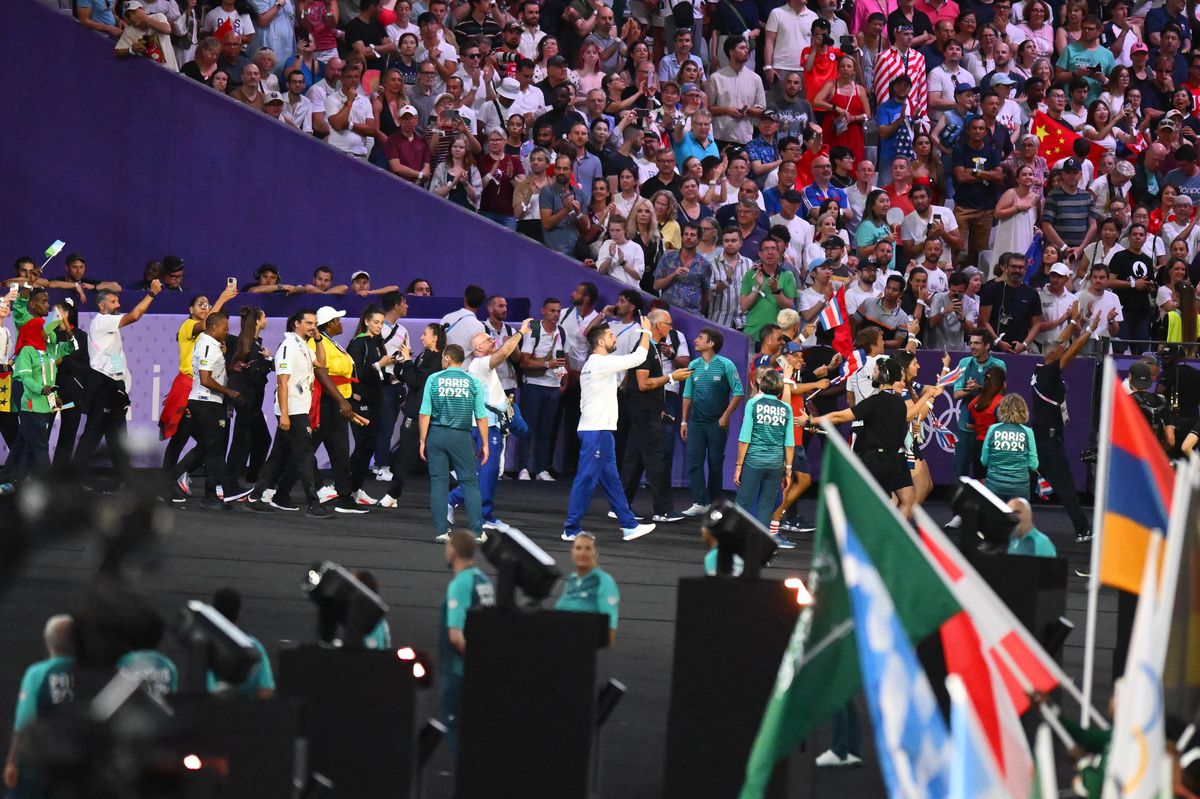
point(172, 422)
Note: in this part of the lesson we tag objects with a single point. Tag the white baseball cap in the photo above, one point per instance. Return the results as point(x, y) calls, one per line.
point(326, 314)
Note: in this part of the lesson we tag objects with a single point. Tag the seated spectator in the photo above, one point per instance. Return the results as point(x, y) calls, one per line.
point(273, 106)
point(266, 61)
point(172, 277)
point(360, 284)
point(322, 283)
point(77, 280)
point(250, 90)
point(297, 109)
point(231, 61)
point(1027, 539)
point(97, 15)
point(266, 281)
point(205, 64)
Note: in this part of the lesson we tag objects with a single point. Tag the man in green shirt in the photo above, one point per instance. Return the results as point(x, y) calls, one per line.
point(765, 449)
point(469, 588)
point(590, 589)
point(767, 288)
point(45, 684)
point(261, 682)
point(1027, 539)
point(452, 404)
point(710, 395)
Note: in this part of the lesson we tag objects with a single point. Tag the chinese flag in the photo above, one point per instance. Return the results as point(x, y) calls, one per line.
point(1058, 139)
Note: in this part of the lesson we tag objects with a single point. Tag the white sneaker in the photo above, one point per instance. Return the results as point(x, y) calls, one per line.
point(221, 492)
point(185, 484)
point(450, 515)
point(545, 477)
point(828, 759)
point(568, 536)
point(954, 523)
point(696, 510)
point(632, 533)
point(362, 498)
point(482, 539)
point(852, 760)
point(387, 502)
point(267, 495)
point(496, 524)
point(384, 475)
point(443, 538)
point(612, 514)
point(326, 493)
point(524, 475)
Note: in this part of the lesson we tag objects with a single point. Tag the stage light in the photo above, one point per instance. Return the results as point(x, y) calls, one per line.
point(803, 597)
point(422, 671)
point(738, 533)
point(342, 601)
point(418, 670)
point(406, 653)
point(987, 521)
point(610, 696)
point(213, 643)
point(192, 763)
point(520, 564)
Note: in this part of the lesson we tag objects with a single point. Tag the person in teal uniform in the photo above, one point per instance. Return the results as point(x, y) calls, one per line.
point(765, 447)
point(452, 404)
point(469, 588)
point(154, 670)
point(261, 681)
point(710, 396)
point(380, 636)
point(711, 557)
point(46, 683)
point(1009, 451)
point(590, 589)
point(1026, 539)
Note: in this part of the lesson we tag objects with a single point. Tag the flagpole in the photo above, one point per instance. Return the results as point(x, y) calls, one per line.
point(1101, 498)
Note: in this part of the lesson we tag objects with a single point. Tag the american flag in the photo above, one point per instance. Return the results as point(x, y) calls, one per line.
point(890, 66)
point(834, 314)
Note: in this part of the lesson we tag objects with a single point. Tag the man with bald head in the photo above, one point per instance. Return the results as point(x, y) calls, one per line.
point(325, 86)
point(1148, 176)
point(231, 61)
point(645, 449)
point(46, 683)
point(486, 355)
point(1027, 539)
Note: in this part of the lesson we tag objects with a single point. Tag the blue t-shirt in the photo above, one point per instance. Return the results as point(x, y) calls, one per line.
point(102, 10)
point(45, 684)
point(887, 113)
point(470, 588)
point(594, 592)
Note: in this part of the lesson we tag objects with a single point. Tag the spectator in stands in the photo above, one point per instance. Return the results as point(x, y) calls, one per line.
point(977, 181)
point(205, 64)
point(147, 35)
point(766, 289)
point(98, 15)
point(77, 280)
point(1100, 308)
point(297, 109)
point(561, 207)
point(323, 88)
point(360, 284)
point(885, 313)
point(419, 287)
point(682, 277)
point(231, 61)
point(273, 106)
point(407, 153)
point(1010, 311)
point(227, 17)
point(952, 315)
point(349, 115)
point(266, 281)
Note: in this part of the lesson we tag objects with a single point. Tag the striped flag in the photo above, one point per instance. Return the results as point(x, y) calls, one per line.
point(1044, 489)
point(973, 772)
point(834, 314)
point(889, 66)
point(949, 378)
point(856, 360)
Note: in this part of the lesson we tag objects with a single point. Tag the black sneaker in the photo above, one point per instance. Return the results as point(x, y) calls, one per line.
point(319, 511)
point(255, 504)
point(283, 503)
point(212, 503)
point(1084, 537)
point(237, 492)
point(349, 507)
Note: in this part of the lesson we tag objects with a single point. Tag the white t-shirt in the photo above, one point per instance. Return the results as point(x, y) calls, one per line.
point(809, 298)
point(793, 33)
point(856, 294)
point(1053, 307)
point(462, 326)
point(393, 342)
point(573, 326)
point(633, 256)
point(798, 227)
point(942, 80)
point(544, 346)
point(106, 351)
point(1171, 230)
point(207, 357)
point(913, 228)
point(937, 281)
point(295, 359)
point(347, 140)
point(679, 341)
point(242, 24)
point(1090, 305)
point(444, 53)
point(481, 369)
point(859, 383)
point(598, 380)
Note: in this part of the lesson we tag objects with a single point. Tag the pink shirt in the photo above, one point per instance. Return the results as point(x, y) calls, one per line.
point(948, 10)
point(865, 8)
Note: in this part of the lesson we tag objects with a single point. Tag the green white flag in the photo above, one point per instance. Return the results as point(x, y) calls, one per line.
point(55, 248)
point(819, 673)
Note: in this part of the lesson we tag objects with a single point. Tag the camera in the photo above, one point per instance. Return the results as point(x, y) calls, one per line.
point(846, 45)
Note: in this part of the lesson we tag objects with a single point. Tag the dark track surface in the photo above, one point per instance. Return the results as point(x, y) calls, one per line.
point(266, 557)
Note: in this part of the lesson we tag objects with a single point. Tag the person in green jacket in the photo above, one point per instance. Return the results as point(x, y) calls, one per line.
point(1009, 451)
point(590, 589)
point(1026, 539)
point(36, 370)
point(765, 448)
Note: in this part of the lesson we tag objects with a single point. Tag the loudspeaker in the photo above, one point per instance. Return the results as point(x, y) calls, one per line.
point(528, 712)
point(730, 636)
point(359, 717)
point(1035, 589)
point(248, 746)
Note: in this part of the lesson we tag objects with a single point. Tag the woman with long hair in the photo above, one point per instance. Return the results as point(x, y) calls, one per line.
point(1009, 453)
point(710, 238)
point(1182, 322)
point(527, 194)
point(613, 85)
point(1017, 211)
point(913, 440)
point(1024, 58)
point(1102, 127)
point(846, 108)
point(1165, 212)
point(874, 228)
point(596, 212)
point(589, 72)
point(386, 105)
point(1070, 30)
point(916, 298)
point(627, 198)
point(74, 380)
point(457, 178)
point(871, 44)
point(666, 214)
point(1114, 93)
point(965, 26)
point(982, 411)
point(172, 421)
point(1038, 27)
point(500, 171)
point(639, 54)
point(413, 373)
point(645, 232)
point(370, 362)
point(928, 165)
point(1051, 255)
point(247, 364)
point(983, 60)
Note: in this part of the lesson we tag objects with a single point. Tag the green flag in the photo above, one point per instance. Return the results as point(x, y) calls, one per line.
point(55, 248)
point(819, 673)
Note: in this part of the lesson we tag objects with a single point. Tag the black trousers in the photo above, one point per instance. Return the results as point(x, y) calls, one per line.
point(646, 451)
point(105, 421)
point(10, 431)
point(68, 429)
point(35, 444)
point(568, 423)
point(1054, 466)
point(251, 441)
point(335, 437)
point(208, 423)
point(292, 447)
point(177, 442)
point(406, 455)
point(364, 443)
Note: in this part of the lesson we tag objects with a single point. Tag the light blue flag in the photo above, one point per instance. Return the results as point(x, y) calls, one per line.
point(973, 774)
point(55, 248)
point(910, 737)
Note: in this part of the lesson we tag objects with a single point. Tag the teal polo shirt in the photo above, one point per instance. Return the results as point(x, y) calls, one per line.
point(470, 588)
point(1034, 544)
point(710, 387)
point(45, 684)
point(594, 592)
point(454, 399)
